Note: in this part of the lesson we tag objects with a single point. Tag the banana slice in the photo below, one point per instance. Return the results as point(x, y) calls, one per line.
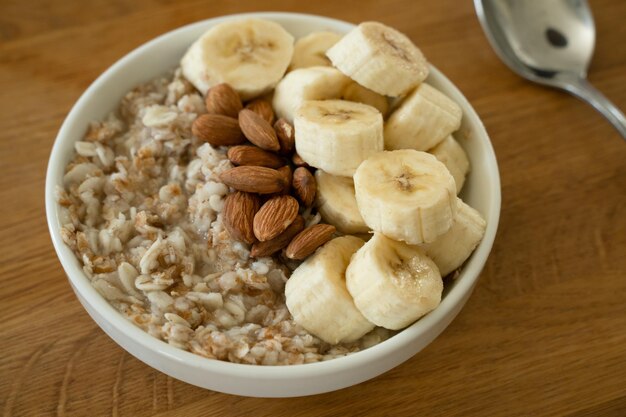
point(422, 120)
point(407, 195)
point(317, 297)
point(251, 55)
point(452, 248)
point(337, 135)
point(380, 58)
point(450, 152)
point(392, 283)
point(356, 92)
point(313, 83)
point(310, 51)
point(337, 204)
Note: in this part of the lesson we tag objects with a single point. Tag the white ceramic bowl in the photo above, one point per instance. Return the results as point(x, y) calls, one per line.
point(482, 191)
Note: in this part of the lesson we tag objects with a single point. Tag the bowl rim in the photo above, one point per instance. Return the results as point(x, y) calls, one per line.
point(80, 282)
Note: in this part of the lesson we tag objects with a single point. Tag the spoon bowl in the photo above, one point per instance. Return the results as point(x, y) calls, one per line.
point(550, 43)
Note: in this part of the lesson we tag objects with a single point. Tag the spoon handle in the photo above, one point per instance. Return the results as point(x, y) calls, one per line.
point(582, 89)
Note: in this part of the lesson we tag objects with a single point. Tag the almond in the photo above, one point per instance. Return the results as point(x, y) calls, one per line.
point(304, 186)
point(258, 130)
point(254, 179)
point(263, 108)
point(308, 240)
point(274, 217)
point(251, 155)
point(286, 136)
point(218, 130)
point(298, 161)
point(288, 177)
point(238, 213)
point(222, 99)
point(270, 247)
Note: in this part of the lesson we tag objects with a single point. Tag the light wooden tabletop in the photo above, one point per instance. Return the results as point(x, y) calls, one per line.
point(544, 332)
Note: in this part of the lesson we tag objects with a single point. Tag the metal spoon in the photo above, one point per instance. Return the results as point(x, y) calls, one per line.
point(549, 42)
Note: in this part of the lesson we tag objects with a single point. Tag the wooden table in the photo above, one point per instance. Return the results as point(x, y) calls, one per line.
point(544, 332)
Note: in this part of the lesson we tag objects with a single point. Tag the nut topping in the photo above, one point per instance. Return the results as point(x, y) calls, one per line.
point(258, 130)
point(218, 130)
point(274, 217)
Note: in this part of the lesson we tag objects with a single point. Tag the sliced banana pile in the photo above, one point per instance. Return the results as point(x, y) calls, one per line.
point(380, 58)
point(311, 83)
point(380, 143)
point(310, 50)
point(337, 135)
point(392, 283)
point(251, 55)
point(336, 202)
point(317, 296)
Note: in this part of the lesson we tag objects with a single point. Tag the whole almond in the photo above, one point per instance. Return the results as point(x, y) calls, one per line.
point(254, 179)
point(218, 130)
point(251, 155)
point(304, 186)
point(222, 99)
point(274, 217)
point(258, 130)
point(238, 213)
point(298, 161)
point(270, 247)
point(263, 108)
point(286, 136)
point(308, 240)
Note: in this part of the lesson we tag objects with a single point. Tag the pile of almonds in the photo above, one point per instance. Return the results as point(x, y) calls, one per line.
point(263, 211)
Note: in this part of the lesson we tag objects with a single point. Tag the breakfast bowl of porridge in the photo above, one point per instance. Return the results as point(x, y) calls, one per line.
point(273, 204)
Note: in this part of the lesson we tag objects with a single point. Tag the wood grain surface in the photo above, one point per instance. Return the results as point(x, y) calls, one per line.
point(544, 332)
